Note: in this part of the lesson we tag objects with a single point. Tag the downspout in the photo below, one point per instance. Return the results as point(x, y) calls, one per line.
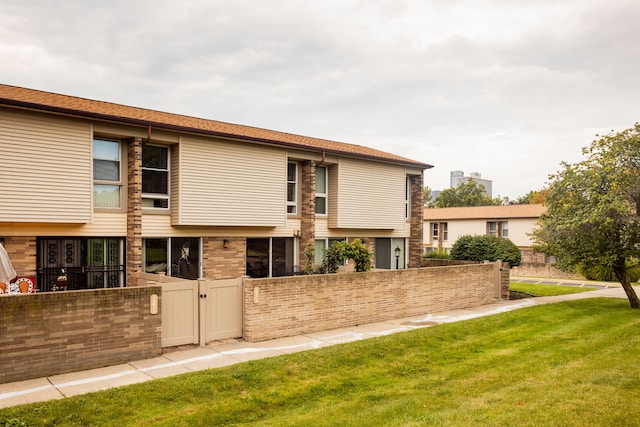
point(146, 141)
point(324, 158)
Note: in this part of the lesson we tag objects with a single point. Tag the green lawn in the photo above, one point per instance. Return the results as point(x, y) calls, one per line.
point(541, 290)
point(565, 364)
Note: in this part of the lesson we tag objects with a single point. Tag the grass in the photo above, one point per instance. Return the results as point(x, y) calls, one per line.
point(541, 290)
point(564, 364)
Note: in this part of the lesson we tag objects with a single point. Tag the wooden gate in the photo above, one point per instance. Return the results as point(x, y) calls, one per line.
point(196, 312)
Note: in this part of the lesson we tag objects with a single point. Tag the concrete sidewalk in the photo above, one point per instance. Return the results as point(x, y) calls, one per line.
point(220, 354)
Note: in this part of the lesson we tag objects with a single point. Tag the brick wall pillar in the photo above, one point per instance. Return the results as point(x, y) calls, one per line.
point(307, 209)
point(417, 221)
point(222, 262)
point(134, 211)
point(22, 254)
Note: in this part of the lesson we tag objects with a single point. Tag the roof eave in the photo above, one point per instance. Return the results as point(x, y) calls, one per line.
point(160, 125)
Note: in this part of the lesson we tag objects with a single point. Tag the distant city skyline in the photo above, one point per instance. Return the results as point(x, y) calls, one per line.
point(457, 177)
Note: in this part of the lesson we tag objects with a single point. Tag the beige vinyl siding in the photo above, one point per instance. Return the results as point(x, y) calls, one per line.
point(105, 224)
point(160, 226)
point(45, 169)
point(366, 195)
point(230, 184)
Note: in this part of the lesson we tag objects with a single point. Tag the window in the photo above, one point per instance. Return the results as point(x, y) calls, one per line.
point(270, 257)
point(185, 257)
point(107, 183)
point(492, 228)
point(439, 230)
point(292, 188)
point(407, 198)
point(498, 228)
point(155, 255)
point(321, 190)
point(155, 177)
point(176, 256)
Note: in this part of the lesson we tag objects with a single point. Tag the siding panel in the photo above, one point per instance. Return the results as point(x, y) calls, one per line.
point(230, 184)
point(45, 169)
point(367, 195)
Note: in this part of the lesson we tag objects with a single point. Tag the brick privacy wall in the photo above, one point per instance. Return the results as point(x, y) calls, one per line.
point(543, 270)
point(304, 304)
point(57, 332)
point(504, 280)
point(224, 263)
point(435, 262)
point(134, 211)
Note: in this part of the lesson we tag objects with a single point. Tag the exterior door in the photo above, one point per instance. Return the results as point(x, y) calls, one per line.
point(61, 257)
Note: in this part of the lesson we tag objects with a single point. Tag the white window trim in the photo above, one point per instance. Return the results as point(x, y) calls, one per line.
point(117, 183)
point(407, 199)
point(158, 196)
point(323, 195)
point(292, 203)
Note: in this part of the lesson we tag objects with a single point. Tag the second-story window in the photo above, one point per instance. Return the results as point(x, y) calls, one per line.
point(321, 190)
point(292, 188)
point(155, 177)
point(498, 228)
point(107, 174)
point(439, 230)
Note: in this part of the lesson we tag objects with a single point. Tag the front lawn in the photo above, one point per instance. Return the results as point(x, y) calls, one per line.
point(564, 364)
point(541, 290)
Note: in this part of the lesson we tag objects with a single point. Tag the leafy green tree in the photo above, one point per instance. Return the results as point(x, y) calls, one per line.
point(593, 215)
point(427, 194)
point(532, 197)
point(466, 194)
point(489, 248)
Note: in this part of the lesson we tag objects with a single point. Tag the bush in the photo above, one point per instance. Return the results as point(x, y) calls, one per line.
point(340, 251)
point(486, 248)
point(437, 255)
point(604, 273)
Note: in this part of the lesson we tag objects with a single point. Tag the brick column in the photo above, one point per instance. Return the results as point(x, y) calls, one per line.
point(134, 211)
point(417, 221)
point(22, 254)
point(307, 209)
point(220, 262)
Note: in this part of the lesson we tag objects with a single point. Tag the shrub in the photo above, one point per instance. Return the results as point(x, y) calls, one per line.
point(437, 255)
point(309, 258)
point(489, 248)
point(340, 251)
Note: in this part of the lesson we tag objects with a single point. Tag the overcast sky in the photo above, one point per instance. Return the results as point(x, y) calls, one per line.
point(501, 87)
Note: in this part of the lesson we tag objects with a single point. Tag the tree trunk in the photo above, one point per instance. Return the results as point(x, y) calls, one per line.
point(623, 277)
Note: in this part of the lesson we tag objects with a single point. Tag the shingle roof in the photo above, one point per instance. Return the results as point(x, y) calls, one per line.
point(484, 212)
point(81, 107)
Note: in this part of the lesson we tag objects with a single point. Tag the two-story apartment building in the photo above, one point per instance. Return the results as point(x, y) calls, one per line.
point(98, 192)
point(443, 226)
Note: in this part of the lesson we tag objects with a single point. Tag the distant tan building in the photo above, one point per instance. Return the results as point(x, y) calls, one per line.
point(443, 226)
